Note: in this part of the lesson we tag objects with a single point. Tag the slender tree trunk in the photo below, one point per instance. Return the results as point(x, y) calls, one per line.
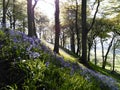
point(89, 48)
point(57, 27)
point(101, 41)
point(95, 50)
point(72, 42)
point(10, 20)
point(14, 18)
point(77, 31)
point(4, 16)
point(84, 33)
point(63, 39)
point(114, 54)
point(105, 59)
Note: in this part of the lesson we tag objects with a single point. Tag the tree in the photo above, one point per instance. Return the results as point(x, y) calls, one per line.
point(41, 21)
point(77, 30)
point(71, 18)
point(84, 32)
point(85, 29)
point(5, 7)
point(31, 22)
point(57, 27)
point(106, 26)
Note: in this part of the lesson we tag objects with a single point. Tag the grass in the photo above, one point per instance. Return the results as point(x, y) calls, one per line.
point(29, 65)
point(107, 72)
point(62, 52)
point(37, 68)
point(66, 54)
point(73, 58)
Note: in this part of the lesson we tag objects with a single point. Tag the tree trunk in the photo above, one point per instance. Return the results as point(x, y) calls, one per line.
point(77, 31)
point(89, 48)
point(114, 58)
point(10, 17)
point(14, 18)
point(105, 59)
point(57, 27)
point(34, 26)
point(4, 16)
point(84, 33)
point(101, 41)
point(31, 22)
point(72, 42)
point(95, 50)
point(63, 39)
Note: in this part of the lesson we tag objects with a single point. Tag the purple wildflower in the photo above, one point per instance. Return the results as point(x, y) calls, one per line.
point(47, 64)
point(34, 55)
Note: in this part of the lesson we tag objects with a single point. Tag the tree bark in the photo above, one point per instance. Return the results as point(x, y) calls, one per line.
point(72, 42)
point(95, 50)
point(57, 27)
point(84, 33)
point(63, 39)
point(101, 41)
point(114, 58)
point(31, 22)
point(14, 18)
point(4, 16)
point(77, 30)
point(89, 49)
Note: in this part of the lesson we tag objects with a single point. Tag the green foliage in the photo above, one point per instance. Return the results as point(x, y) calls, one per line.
point(48, 71)
point(38, 76)
point(34, 74)
point(109, 73)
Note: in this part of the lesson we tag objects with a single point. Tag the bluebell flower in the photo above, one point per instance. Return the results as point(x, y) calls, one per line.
point(72, 71)
point(34, 55)
point(29, 48)
point(15, 40)
point(47, 64)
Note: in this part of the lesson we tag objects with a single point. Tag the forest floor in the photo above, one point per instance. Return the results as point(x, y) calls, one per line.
point(107, 76)
point(28, 63)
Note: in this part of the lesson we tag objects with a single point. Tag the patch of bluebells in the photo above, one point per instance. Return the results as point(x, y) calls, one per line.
point(34, 55)
point(105, 80)
point(87, 73)
point(28, 42)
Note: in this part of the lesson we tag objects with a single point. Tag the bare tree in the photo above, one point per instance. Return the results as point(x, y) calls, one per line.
point(57, 27)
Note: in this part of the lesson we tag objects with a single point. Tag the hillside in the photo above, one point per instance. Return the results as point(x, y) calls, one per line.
point(27, 64)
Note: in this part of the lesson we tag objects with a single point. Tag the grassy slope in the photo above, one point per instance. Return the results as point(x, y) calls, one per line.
point(67, 56)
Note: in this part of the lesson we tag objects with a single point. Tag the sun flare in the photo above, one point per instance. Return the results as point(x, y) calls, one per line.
point(47, 7)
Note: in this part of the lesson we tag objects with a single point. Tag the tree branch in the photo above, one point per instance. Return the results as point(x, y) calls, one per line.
point(93, 21)
point(35, 4)
point(6, 7)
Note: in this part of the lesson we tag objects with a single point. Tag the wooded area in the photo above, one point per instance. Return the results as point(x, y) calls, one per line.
point(88, 30)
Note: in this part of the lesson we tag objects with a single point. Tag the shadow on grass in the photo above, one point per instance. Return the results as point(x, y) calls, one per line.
point(110, 73)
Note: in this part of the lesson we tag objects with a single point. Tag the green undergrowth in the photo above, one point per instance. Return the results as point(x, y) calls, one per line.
point(66, 54)
point(37, 75)
point(29, 66)
point(109, 73)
